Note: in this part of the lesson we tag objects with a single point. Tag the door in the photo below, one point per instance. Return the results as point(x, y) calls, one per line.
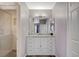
point(75, 32)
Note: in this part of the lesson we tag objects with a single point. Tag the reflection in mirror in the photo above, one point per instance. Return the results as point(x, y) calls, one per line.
point(41, 25)
point(52, 26)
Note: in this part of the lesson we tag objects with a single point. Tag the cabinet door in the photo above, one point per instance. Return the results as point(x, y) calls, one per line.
point(33, 46)
point(47, 46)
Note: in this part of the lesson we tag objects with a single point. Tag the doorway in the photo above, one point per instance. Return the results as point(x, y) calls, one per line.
point(7, 33)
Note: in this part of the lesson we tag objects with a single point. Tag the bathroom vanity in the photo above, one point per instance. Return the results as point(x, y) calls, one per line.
point(40, 40)
point(40, 45)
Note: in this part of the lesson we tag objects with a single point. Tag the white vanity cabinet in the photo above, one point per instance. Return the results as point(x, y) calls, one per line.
point(32, 46)
point(40, 45)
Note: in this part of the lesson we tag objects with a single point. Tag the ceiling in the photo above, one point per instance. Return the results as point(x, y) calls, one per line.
point(40, 5)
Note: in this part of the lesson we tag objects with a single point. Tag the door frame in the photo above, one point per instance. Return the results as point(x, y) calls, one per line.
point(68, 43)
point(16, 7)
point(69, 27)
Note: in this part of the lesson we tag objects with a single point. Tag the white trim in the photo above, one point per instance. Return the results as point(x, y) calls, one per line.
point(68, 31)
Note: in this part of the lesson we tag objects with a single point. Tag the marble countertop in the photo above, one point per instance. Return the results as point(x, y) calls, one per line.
point(41, 35)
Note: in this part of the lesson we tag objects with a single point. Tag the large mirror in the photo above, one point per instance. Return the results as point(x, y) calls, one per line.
point(43, 25)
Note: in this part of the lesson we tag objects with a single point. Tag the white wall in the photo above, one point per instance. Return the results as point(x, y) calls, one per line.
point(23, 29)
point(60, 15)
